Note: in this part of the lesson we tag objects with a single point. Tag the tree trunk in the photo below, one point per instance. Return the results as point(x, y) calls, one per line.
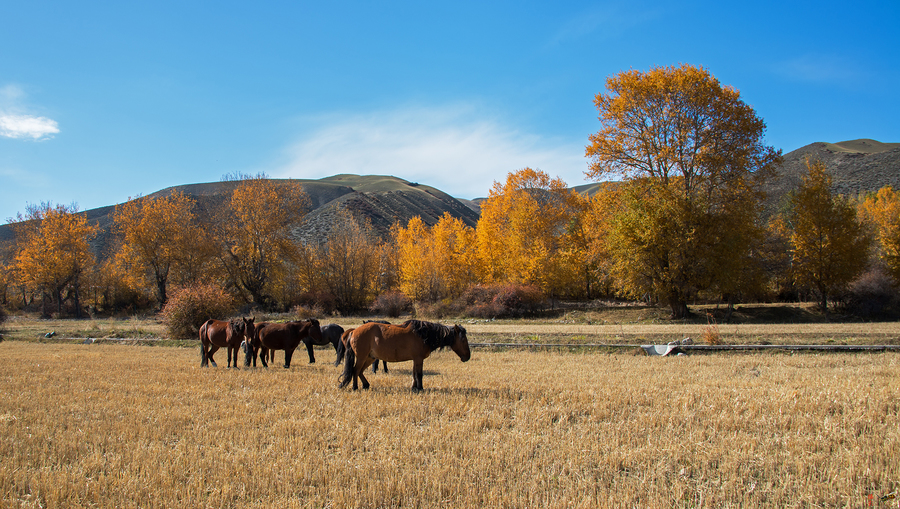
point(679, 309)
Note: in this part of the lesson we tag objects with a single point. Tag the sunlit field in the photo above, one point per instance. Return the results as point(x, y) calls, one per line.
point(133, 426)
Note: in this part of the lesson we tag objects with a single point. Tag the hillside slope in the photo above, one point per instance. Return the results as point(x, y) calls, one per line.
point(857, 166)
point(380, 200)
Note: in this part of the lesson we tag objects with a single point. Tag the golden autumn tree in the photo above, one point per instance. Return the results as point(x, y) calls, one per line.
point(346, 264)
point(522, 230)
point(436, 262)
point(692, 158)
point(162, 241)
point(882, 209)
point(256, 228)
point(54, 252)
point(593, 236)
point(829, 244)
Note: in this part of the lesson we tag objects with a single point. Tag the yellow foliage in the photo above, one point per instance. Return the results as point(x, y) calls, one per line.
point(524, 231)
point(882, 210)
point(436, 262)
point(691, 153)
point(54, 251)
point(257, 232)
point(829, 243)
point(162, 242)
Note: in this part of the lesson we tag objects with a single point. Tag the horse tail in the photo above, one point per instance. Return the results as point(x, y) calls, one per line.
point(204, 340)
point(349, 366)
point(340, 348)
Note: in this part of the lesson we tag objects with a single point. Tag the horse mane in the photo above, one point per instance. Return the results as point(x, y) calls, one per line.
point(435, 335)
point(237, 326)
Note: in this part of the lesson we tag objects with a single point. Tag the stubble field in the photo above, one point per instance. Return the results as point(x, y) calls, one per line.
point(137, 426)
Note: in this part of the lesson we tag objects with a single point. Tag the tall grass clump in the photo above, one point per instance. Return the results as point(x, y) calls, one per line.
point(710, 334)
point(190, 306)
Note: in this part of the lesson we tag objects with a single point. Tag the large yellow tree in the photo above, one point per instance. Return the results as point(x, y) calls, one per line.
point(829, 244)
point(436, 262)
point(54, 252)
point(692, 157)
point(257, 228)
point(162, 240)
point(882, 209)
point(524, 228)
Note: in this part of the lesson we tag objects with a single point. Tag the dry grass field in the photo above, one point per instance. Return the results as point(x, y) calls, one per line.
point(134, 426)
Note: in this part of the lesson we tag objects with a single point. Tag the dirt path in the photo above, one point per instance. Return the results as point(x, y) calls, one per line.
point(888, 328)
point(849, 333)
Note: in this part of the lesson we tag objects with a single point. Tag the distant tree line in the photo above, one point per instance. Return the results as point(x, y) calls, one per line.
point(680, 223)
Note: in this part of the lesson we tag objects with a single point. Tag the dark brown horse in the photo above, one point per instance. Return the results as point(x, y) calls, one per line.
point(414, 340)
point(215, 334)
point(267, 337)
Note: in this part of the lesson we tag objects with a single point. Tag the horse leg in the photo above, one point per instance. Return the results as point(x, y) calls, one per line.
point(417, 374)
point(209, 355)
point(232, 353)
point(339, 349)
point(384, 366)
point(309, 349)
point(263, 356)
point(288, 353)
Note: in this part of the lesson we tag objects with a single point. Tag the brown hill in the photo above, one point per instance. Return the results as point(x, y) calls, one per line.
point(381, 200)
point(857, 167)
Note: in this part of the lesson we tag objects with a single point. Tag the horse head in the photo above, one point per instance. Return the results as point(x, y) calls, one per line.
point(249, 328)
point(313, 329)
point(461, 343)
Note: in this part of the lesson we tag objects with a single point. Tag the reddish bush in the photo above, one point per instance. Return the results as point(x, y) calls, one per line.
point(392, 304)
point(503, 300)
point(321, 303)
point(188, 308)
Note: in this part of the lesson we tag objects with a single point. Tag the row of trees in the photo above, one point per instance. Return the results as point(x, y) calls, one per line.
point(247, 246)
point(682, 221)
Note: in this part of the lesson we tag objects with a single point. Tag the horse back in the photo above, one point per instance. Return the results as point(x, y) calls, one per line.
point(391, 343)
point(215, 332)
point(280, 336)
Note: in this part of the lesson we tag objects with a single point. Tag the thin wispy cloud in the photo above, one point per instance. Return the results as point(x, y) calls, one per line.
point(27, 126)
point(823, 69)
point(31, 179)
point(608, 20)
point(18, 123)
point(452, 148)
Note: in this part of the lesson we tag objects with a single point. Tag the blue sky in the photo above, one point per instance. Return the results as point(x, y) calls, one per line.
point(102, 101)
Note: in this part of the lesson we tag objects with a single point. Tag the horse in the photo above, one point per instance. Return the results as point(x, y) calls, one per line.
point(281, 336)
point(341, 347)
point(215, 334)
point(413, 340)
point(331, 334)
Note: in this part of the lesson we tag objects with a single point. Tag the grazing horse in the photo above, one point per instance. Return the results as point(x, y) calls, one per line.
point(281, 336)
point(215, 334)
point(413, 340)
point(341, 347)
point(331, 334)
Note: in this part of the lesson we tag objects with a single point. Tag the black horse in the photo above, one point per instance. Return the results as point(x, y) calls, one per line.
point(331, 333)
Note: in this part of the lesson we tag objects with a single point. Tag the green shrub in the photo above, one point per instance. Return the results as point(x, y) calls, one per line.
point(188, 308)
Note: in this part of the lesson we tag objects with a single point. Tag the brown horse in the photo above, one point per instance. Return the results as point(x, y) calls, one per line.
point(267, 337)
point(215, 334)
point(341, 347)
point(413, 340)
